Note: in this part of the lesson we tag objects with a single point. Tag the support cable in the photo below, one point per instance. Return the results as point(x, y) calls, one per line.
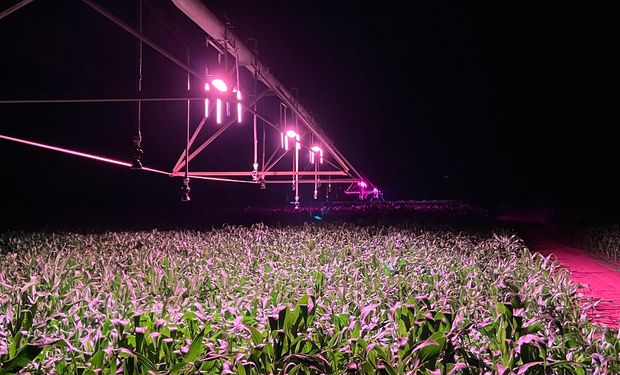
point(186, 189)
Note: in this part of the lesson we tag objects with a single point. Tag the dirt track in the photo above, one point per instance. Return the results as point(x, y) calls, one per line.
point(600, 279)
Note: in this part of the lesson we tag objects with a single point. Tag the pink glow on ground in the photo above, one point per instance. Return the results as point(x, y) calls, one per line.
point(599, 279)
point(219, 85)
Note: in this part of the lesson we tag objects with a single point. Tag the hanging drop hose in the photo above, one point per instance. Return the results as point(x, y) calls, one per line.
point(138, 152)
point(185, 189)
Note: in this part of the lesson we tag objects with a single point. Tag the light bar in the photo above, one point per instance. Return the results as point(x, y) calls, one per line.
point(314, 150)
point(218, 110)
point(239, 106)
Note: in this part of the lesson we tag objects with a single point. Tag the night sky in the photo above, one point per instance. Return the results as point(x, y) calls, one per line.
point(489, 102)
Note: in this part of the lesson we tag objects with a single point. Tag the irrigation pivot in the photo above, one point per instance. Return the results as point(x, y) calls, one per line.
point(236, 89)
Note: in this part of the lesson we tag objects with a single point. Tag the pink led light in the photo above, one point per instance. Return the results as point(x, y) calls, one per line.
point(218, 110)
point(362, 184)
point(238, 106)
point(207, 107)
point(220, 85)
point(316, 149)
point(290, 134)
point(207, 87)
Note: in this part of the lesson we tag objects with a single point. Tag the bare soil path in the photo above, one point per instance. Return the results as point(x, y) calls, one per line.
point(600, 279)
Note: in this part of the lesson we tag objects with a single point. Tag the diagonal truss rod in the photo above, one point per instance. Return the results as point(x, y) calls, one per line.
point(208, 22)
point(123, 25)
point(14, 8)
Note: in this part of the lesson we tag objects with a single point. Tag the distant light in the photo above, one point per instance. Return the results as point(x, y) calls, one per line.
point(291, 134)
point(316, 217)
point(220, 85)
point(363, 184)
point(218, 110)
point(207, 107)
point(207, 87)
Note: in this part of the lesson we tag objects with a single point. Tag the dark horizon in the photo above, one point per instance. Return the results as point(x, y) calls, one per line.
point(480, 102)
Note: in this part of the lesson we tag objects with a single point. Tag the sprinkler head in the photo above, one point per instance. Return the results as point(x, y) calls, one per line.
point(185, 197)
point(136, 158)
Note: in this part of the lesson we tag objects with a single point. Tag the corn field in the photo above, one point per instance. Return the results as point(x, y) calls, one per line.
point(322, 298)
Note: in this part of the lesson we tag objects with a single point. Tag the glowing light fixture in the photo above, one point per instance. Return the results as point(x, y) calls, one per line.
point(290, 134)
point(224, 98)
point(239, 106)
point(314, 150)
point(284, 137)
point(220, 85)
point(218, 110)
point(207, 88)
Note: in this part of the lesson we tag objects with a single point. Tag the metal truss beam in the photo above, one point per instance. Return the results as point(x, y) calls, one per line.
point(208, 22)
point(107, 14)
point(271, 173)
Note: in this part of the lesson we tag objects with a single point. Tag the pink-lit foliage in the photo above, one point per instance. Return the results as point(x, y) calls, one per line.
point(370, 298)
